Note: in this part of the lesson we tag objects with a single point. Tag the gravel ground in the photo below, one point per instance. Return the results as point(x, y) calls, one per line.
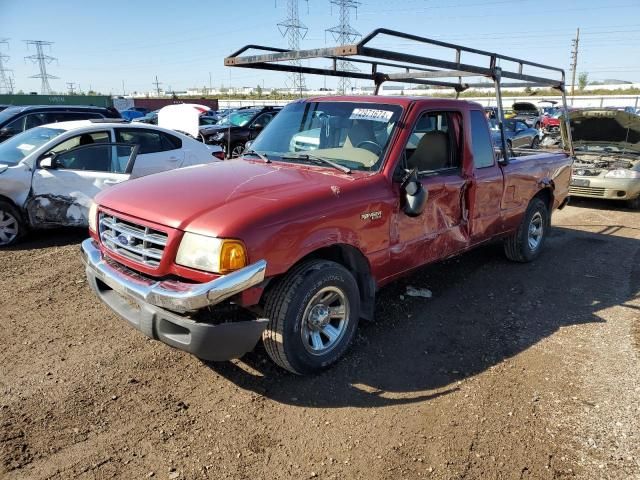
point(510, 371)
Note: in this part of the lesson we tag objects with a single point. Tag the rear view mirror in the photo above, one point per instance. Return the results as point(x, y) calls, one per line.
point(414, 193)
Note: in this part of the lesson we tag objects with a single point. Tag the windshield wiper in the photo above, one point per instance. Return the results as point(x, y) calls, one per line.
point(313, 158)
point(262, 156)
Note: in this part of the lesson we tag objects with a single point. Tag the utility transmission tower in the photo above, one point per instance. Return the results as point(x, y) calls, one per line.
point(70, 86)
point(157, 84)
point(6, 82)
point(574, 60)
point(344, 34)
point(295, 30)
point(42, 60)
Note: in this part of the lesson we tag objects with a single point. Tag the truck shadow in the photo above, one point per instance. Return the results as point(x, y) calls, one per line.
point(600, 204)
point(54, 237)
point(484, 310)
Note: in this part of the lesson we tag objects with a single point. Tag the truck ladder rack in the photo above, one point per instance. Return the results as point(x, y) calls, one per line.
point(411, 68)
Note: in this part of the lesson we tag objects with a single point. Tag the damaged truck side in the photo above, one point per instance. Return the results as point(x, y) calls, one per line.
point(337, 197)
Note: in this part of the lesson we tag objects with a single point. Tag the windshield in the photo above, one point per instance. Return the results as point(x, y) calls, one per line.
point(352, 134)
point(21, 145)
point(238, 119)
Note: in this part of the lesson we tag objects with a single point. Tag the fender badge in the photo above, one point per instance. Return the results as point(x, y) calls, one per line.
point(371, 215)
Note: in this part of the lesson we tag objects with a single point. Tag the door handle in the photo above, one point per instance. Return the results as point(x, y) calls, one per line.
point(173, 159)
point(111, 182)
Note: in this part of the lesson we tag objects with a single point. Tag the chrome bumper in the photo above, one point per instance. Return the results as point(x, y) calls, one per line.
point(172, 295)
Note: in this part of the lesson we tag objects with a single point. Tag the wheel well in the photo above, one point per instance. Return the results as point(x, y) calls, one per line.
point(353, 260)
point(546, 195)
point(8, 200)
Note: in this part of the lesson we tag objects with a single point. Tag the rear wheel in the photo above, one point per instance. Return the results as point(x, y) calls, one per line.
point(11, 225)
point(313, 314)
point(527, 242)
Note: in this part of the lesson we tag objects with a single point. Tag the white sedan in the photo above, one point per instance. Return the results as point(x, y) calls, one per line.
point(50, 174)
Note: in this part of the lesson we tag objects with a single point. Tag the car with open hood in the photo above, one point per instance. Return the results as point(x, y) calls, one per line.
point(607, 151)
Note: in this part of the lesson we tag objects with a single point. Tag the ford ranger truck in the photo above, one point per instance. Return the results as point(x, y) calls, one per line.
point(290, 242)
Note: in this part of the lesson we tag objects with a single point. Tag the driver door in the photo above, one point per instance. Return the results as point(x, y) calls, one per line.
point(64, 184)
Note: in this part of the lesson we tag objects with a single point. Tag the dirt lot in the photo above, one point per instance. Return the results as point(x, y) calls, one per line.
point(509, 371)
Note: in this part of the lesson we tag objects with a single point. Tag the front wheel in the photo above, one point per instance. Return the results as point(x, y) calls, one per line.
point(313, 314)
point(527, 242)
point(236, 150)
point(536, 142)
point(11, 225)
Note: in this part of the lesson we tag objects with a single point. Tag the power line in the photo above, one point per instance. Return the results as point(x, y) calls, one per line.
point(6, 82)
point(70, 86)
point(292, 28)
point(344, 34)
point(42, 60)
point(574, 61)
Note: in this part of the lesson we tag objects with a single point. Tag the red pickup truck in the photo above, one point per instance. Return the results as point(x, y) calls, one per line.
point(337, 197)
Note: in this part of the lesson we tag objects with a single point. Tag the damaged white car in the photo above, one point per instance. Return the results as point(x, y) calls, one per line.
point(50, 174)
point(607, 152)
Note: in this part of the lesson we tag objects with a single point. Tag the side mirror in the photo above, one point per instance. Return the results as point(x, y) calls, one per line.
point(7, 132)
point(47, 162)
point(415, 194)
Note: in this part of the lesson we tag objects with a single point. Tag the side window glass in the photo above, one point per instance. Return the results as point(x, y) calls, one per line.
point(54, 117)
point(35, 120)
point(434, 142)
point(17, 125)
point(92, 157)
point(149, 141)
point(481, 141)
point(79, 140)
point(169, 142)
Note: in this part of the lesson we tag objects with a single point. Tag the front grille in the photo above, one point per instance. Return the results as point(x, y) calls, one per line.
point(590, 191)
point(136, 242)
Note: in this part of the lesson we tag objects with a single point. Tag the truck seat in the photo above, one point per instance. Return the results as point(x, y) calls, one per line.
point(432, 152)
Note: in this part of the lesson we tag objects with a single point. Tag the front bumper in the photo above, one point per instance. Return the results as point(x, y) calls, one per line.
point(145, 304)
point(607, 188)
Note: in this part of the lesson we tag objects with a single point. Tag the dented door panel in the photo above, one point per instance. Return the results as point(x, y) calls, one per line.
point(63, 197)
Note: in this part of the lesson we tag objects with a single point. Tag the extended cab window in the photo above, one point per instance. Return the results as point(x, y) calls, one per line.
point(481, 141)
point(434, 143)
point(150, 141)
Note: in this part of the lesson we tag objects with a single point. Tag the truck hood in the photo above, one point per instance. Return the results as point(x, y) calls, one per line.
point(614, 128)
point(209, 199)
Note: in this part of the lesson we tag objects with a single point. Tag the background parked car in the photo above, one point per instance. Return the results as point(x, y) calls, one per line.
point(517, 133)
point(237, 128)
point(14, 120)
point(150, 118)
point(49, 174)
point(134, 112)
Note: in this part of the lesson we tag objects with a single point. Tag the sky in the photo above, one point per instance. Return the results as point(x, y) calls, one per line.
point(101, 44)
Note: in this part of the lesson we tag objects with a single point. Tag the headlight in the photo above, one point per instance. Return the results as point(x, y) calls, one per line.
point(218, 136)
point(211, 254)
point(93, 217)
point(622, 173)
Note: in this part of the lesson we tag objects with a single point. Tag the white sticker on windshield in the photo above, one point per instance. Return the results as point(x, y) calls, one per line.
point(371, 114)
point(26, 146)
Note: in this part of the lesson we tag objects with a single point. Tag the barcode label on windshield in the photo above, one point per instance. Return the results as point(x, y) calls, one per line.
point(371, 114)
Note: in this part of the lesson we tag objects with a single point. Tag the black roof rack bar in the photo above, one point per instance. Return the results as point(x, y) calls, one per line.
point(410, 62)
point(419, 69)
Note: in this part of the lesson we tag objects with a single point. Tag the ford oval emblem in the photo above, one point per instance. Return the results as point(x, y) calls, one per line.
point(124, 240)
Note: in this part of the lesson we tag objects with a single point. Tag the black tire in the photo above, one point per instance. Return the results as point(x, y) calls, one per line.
point(634, 204)
point(10, 221)
point(535, 143)
point(291, 300)
point(236, 150)
point(518, 247)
